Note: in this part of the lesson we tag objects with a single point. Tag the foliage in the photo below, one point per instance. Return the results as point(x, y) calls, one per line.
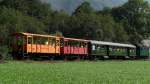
point(135, 17)
point(14, 21)
point(4, 53)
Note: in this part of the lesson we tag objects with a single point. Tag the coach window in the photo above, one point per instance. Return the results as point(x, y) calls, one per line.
point(131, 50)
point(118, 49)
point(98, 47)
point(102, 47)
point(80, 44)
point(73, 43)
point(52, 41)
point(36, 40)
point(66, 43)
point(58, 42)
point(30, 40)
point(19, 40)
point(62, 43)
point(69, 43)
point(44, 40)
point(111, 49)
point(93, 47)
point(114, 49)
point(84, 45)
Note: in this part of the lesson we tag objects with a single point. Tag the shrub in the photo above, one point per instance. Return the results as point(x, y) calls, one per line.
point(4, 53)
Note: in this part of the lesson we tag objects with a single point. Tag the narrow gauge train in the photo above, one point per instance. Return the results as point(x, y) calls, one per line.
point(26, 45)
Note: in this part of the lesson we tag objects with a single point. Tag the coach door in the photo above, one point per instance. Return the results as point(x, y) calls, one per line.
point(57, 45)
point(29, 44)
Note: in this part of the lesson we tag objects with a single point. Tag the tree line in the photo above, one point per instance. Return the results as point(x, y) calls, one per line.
point(129, 23)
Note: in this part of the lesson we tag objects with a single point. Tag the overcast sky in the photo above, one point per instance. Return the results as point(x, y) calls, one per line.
point(70, 5)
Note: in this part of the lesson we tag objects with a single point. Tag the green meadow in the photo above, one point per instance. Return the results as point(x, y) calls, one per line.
point(86, 72)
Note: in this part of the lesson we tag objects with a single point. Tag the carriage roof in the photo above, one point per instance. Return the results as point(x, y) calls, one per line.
point(113, 44)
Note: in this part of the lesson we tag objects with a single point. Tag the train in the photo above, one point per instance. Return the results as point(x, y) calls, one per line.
point(28, 45)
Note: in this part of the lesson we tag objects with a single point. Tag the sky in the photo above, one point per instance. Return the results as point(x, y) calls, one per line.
point(70, 5)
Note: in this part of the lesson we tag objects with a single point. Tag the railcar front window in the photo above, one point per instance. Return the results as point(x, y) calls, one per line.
point(18, 40)
point(29, 40)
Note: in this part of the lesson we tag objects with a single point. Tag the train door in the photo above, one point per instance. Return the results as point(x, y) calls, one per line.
point(29, 44)
point(57, 46)
point(62, 44)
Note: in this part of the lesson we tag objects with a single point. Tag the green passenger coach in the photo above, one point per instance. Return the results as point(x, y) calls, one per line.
point(108, 49)
point(143, 52)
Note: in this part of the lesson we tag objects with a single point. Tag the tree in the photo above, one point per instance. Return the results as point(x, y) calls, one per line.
point(12, 21)
point(33, 8)
point(82, 22)
point(59, 22)
point(84, 8)
point(134, 15)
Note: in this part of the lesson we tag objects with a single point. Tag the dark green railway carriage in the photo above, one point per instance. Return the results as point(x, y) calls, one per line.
point(100, 48)
point(143, 52)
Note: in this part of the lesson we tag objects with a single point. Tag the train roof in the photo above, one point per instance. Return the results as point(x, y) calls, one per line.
point(74, 39)
point(113, 44)
point(30, 34)
point(41, 35)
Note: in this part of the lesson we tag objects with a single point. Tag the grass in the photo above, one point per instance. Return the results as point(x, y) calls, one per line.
point(107, 72)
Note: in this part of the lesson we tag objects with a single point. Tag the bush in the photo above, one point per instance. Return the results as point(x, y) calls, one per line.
point(4, 53)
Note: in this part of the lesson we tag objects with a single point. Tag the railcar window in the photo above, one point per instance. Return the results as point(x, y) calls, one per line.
point(78, 44)
point(69, 44)
point(93, 47)
point(82, 44)
point(74, 43)
point(61, 43)
point(36, 40)
point(66, 43)
point(111, 49)
point(52, 41)
point(57, 42)
point(29, 40)
point(118, 49)
point(18, 40)
point(44, 40)
point(85, 45)
point(98, 47)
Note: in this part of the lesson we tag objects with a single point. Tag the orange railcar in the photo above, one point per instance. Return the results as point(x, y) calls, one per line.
point(24, 44)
